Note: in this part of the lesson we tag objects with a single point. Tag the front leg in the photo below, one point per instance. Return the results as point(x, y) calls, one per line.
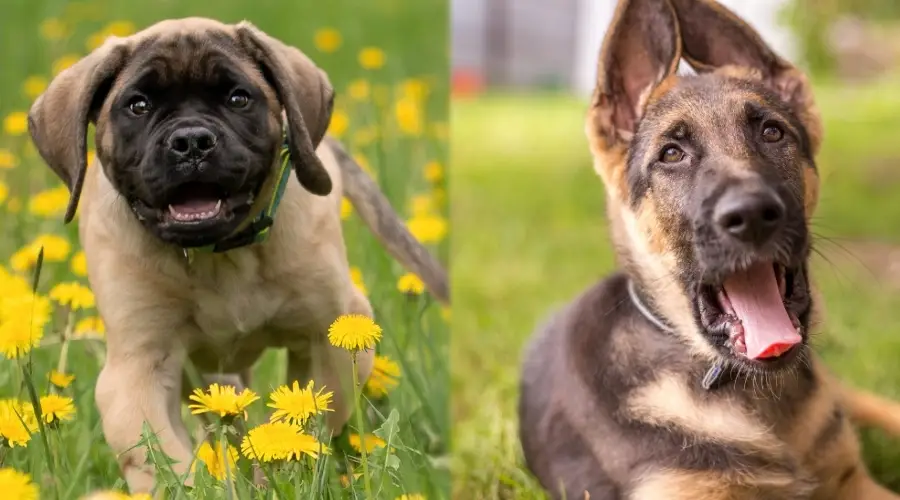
point(675, 484)
point(137, 386)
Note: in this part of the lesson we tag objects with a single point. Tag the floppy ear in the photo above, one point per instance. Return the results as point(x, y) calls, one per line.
point(641, 48)
point(713, 37)
point(58, 120)
point(307, 98)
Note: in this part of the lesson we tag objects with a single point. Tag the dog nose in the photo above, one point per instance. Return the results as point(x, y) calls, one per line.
point(192, 142)
point(749, 216)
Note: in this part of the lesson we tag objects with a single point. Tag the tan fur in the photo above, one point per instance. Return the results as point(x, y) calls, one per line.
point(221, 310)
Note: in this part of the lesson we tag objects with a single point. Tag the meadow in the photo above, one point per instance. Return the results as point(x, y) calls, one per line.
point(531, 211)
point(387, 60)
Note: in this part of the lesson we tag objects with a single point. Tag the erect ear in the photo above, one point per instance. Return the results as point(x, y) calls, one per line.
point(58, 119)
point(713, 37)
point(641, 48)
point(306, 96)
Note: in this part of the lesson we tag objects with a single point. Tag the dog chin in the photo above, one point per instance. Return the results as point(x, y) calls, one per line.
point(757, 315)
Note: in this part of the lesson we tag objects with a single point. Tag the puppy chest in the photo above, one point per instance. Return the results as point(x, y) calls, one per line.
point(226, 315)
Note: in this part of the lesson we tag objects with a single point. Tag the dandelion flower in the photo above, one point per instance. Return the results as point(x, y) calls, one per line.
point(16, 123)
point(359, 90)
point(413, 496)
point(22, 319)
point(64, 63)
point(346, 208)
point(17, 422)
point(78, 264)
point(339, 123)
point(371, 58)
point(222, 400)
point(74, 295)
point(372, 441)
point(53, 29)
point(90, 326)
point(34, 86)
point(50, 202)
point(56, 408)
point(17, 485)
point(422, 204)
point(415, 88)
point(327, 40)
point(434, 172)
point(428, 229)
point(95, 40)
point(410, 284)
point(354, 332)
point(4, 192)
point(385, 377)
point(280, 441)
point(408, 113)
point(61, 380)
point(357, 278)
point(120, 28)
point(297, 405)
point(217, 463)
point(56, 249)
point(7, 159)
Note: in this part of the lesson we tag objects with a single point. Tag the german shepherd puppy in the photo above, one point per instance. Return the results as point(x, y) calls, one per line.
point(687, 375)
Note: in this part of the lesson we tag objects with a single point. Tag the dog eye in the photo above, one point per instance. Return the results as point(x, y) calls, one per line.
point(671, 154)
point(239, 99)
point(139, 106)
point(772, 132)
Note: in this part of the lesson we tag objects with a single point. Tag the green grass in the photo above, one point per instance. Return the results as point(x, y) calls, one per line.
point(531, 210)
point(71, 460)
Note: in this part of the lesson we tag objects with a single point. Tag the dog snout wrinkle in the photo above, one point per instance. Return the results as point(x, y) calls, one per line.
point(752, 215)
point(192, 143)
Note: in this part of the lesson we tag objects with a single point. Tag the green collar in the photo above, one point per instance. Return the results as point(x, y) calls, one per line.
point(255, 230)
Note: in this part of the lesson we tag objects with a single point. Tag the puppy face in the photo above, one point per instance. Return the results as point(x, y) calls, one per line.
point(189, 136)
point(189, 123)
point(713, 176)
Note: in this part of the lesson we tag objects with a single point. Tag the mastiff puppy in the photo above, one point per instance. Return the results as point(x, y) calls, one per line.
point(186, 253)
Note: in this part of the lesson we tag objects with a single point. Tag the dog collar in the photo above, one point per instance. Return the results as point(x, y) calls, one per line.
point(713, 375)
point(255, 229)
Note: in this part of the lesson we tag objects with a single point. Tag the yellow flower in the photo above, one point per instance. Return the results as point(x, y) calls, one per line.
point(359, 90)
point(120, 28)
point(413, 496)
point(22, 320)
point(428, 228)
point(17, 422)
point(74, 295)
point(410, 284)
point(357, 278)
point(49, 202)
point(409, 116)
point(61, 380)
point(56, 408)
point(422, 204)
point(56, 249)
point(297, 405)
point(95, 40)
point(372, 441)
point(7, 159)
point(415, 89)
point(17, 485)
point(64, 62)
point(34, 86)
point(90, 326)
point(384, 378)
point(327, 40)
point(434, 172)
point(54, 29)
point(4, 192)
point(280, 441)
point(16, 123)
point(215, 460)
point(346, 208)
point(371, 58)
point(354, 332)
point(339, 123)
point(445, 313)
point(222, 400)
point(78, 264)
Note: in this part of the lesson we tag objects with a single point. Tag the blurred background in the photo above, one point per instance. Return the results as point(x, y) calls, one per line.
point(388, 61)
point(531, 212)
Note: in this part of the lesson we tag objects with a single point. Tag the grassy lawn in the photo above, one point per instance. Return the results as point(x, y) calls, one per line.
point(532, 214)
point(388, 61)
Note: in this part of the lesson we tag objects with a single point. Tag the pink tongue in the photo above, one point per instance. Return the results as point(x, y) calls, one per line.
point(195, 206)
point(754, 295)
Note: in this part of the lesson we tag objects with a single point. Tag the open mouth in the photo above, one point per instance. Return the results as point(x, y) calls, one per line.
point(195, 202)
point(755, 313)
